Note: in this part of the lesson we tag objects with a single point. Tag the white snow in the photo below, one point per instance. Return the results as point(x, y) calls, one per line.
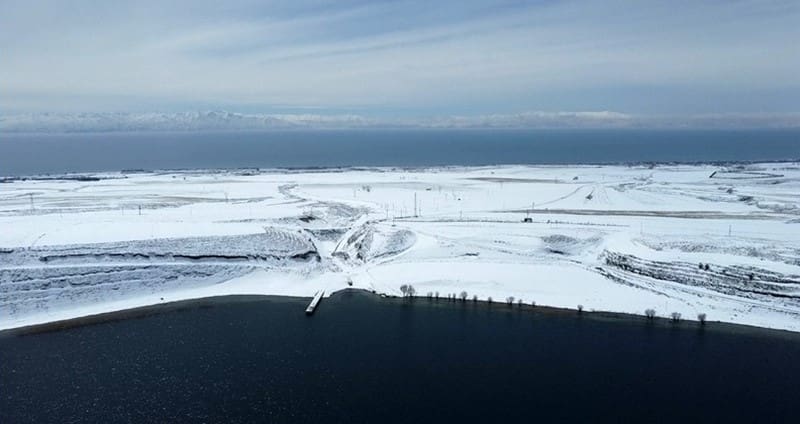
point(611, 238)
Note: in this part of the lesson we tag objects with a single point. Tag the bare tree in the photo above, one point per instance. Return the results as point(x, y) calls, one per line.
point(676, 316)
point(411, 291)
point(702, 318)
point(463, 296)
point(474, 297)
point(580, 309)
point(489, 299)
point(437, 295)
point(650, 313)
point(533, 303)
point(430, 295)
point(519, 303)
point(510, 300)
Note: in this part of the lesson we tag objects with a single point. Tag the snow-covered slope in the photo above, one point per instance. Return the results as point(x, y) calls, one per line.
point(724, 241)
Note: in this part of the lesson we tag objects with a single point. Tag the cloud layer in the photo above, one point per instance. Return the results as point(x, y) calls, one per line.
point(401, 58)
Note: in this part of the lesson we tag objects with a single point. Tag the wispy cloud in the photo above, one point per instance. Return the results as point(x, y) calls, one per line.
point(401, 58)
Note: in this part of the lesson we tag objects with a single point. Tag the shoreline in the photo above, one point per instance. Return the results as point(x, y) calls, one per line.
point(100, 175)
point(139, 312)
point(495, 307)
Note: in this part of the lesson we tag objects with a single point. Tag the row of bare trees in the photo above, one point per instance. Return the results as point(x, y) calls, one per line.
point(409, 291)
point(674, 316)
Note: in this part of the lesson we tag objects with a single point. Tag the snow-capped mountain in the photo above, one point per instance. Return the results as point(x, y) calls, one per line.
point(223, 120)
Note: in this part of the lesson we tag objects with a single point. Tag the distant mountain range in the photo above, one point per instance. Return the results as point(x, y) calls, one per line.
point(230, 121)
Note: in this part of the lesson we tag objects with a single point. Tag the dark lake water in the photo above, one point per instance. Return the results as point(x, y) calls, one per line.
point(363, 359)
point(23, 154)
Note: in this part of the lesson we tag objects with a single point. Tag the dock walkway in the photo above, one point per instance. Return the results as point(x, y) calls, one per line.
point(314, 302)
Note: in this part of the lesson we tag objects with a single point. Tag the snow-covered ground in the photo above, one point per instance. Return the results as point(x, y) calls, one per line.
point(719, 240)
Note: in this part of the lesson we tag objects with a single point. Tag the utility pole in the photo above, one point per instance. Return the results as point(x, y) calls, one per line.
point(415, 204)
point(31, 196)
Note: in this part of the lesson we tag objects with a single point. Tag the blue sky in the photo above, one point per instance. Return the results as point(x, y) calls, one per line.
point(401, 58)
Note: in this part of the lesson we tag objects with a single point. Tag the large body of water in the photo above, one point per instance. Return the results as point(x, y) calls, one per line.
point(47, 153)
point(363, 359)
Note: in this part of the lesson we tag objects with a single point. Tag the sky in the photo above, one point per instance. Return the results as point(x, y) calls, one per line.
point(400, 59)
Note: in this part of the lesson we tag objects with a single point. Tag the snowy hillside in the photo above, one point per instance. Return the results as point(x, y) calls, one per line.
point(690, 240)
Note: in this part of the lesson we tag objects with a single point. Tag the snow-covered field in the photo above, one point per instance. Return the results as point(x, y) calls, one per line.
point(719, 240)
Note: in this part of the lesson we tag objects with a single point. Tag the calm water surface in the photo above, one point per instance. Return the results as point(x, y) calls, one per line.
point(361, 359)
point(34, 154)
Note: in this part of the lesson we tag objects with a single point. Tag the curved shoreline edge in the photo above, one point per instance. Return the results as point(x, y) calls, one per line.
point(419, 301)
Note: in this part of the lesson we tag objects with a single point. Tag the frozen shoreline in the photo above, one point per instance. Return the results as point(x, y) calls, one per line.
point(534, 310)
point(611, 238)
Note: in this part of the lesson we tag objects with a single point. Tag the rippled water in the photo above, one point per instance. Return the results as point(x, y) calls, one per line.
point(363, 359)
point(42, 153)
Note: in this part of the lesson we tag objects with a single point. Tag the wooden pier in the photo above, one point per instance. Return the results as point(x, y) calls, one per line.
point(314, 302)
